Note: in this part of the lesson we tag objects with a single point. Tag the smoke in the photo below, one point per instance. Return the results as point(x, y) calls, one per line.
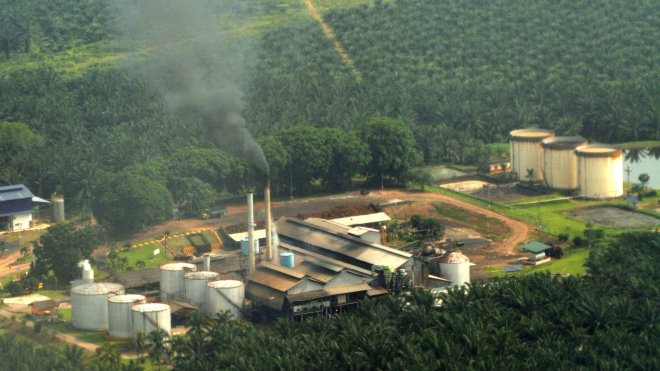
point(84, 265)
point(275, 242)
point(191, 64)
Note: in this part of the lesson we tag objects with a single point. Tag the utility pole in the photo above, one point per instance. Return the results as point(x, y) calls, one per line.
point(628, 171)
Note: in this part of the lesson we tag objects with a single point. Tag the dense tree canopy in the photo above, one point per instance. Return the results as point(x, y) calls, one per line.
point(127, 202)
point(61, 248)
point(392, 148)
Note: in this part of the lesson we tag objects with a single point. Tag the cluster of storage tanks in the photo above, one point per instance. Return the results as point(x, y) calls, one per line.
point(104, 306)
point(203, 289)
point(567, 163)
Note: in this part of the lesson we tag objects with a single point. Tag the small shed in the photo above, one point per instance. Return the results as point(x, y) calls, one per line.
point(536, 247)
point(44, 307)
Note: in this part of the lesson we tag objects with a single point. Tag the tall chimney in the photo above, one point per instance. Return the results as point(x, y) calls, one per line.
point(269, 227)
point(251, 258)
point(207, 262)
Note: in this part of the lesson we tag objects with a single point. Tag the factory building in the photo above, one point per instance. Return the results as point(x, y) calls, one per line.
point(16, 207)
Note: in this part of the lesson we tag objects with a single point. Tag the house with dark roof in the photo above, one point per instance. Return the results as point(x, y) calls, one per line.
point(16, 207)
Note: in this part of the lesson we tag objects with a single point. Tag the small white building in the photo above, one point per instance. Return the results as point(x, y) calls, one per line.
point(16, 207)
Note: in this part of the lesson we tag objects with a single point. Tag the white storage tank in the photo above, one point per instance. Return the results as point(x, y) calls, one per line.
point(600, 171)
point(151, 316)
point(120, 318)
point(171, 280)
point(225, 295)
point(196, 285)
point(89, 305)
point(455, 267)
point(526, 153)
point(560, 162)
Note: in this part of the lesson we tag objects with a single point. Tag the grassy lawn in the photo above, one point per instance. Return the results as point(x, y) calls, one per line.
point(64, 314)
point(572, 263)
point(490, 228)
point(146, 254)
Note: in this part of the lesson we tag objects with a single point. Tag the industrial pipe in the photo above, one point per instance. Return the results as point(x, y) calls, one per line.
point(269, 227)
point(251, 263)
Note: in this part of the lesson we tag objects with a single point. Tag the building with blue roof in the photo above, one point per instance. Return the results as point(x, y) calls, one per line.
point(16, 207)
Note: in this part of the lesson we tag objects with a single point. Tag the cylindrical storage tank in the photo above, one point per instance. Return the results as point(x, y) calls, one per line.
point(600, 171)
point(526, 158)
point(89, 305)
point(120, 318)
point(171, 279)
point(245, 243)
point(286, 259)
point(58, 208)
point(456, 268)
point(151, 316)
point(226, 295)
point(196, 285)
point(560, 163)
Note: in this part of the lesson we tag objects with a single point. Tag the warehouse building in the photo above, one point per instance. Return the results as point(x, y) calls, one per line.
point(16, 207)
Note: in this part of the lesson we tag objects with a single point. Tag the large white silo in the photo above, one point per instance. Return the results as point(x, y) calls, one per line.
point(560, 162)
point(58, 208)
point(225, 295)
point(455, 267)
point(196, 286)
point(600, 171)
point(151, 316)
point(120, 318)
point(171, 280)
point(526, 153)
point(89, 305)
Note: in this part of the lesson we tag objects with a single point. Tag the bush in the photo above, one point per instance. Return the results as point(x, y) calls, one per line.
point(14, 288)
point(578, 241)
point(563, 237)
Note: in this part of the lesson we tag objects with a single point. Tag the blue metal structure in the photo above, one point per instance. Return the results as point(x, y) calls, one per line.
point(15, 199)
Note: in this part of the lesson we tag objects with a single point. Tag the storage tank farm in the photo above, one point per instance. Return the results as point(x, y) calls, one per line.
point(120, 317)
point(560, 162)
point(196, 287)
point(89, 305)
point(526, 152)
point(171, 280)
point(226, 295)
point(600, 171)
point(455, 267)
point(151, 316)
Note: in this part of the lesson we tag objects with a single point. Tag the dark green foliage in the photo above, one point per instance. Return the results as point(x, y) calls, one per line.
point(127, 202)
point(14, 288)
point(62, 247)
point(392, 149)
point(18, 353)
point(606, 320)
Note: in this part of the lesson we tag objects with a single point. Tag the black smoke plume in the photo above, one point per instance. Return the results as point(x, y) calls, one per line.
point(189, 62)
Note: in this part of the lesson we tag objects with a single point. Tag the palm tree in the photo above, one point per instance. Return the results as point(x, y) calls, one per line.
point(107, 357)
point(140, 343)
point(158, 350)
point(73, 356)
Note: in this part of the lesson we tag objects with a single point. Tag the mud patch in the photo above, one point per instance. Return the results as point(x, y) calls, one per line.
point(615, 217)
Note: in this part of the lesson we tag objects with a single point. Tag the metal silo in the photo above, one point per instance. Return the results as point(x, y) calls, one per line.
point(455, 267)
point(171, 280)
point(151, 316)
point(89, 305)
point(600, 171)
point(195, 286)
point(560, 162)
point(526, 153)
point(58, 208)
point(120, 318)
point(225, 295)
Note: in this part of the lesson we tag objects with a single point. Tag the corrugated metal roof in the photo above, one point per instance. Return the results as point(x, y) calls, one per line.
point(265, 295)
point(137, 278)
point(272, 279)
point(535, 247)
point(363, 219)
point(321, 235)
point(311, 295)
point(259, 234)
point(15, 192)
point(44, 304)
point(316, 272)
point(282, 269)
point(324, 261)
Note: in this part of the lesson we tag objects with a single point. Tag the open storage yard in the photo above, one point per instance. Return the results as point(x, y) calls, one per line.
point(615, 217)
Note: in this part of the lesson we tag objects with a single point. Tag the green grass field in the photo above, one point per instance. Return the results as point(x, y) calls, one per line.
point(572, 263)
point(146, 254)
